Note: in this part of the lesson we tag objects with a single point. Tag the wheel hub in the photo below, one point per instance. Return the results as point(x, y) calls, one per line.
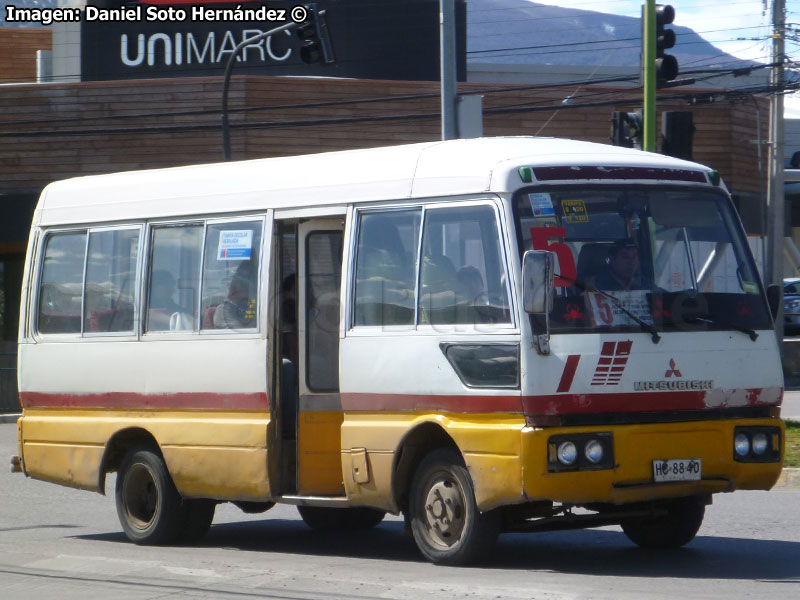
point(140, 496)
point(444, 511)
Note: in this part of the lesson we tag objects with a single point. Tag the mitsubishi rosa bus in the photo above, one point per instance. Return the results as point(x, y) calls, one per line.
point(486, 336)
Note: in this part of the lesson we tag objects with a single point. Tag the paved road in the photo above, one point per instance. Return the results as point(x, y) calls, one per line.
point(62, 543)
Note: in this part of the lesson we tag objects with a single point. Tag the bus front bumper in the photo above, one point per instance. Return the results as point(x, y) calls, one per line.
point(630, 476)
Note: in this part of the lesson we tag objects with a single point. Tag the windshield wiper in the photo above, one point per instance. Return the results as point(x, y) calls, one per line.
point(712, 321)
point(648, 327)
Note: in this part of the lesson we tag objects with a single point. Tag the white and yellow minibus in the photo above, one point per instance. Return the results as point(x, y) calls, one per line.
point(482, 335)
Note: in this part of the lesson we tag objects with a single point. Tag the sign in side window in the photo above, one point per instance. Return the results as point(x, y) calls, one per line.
point(230, 275)
point(386, 258)
point(111, 281)
point(173, 285)
point(323, 282)
point(462, 278)
point(61, 284)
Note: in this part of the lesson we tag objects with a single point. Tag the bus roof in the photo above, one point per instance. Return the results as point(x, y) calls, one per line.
point(391, 173)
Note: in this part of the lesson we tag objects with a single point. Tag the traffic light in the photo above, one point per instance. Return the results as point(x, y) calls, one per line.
point(313, 33)
point(626, 129)
point(666, 64)
point(677, 130)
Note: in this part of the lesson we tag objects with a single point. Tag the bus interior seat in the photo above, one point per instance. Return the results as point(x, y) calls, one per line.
point(592, 260)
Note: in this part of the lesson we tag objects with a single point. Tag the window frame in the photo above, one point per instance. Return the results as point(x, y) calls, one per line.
point(417, 328)
point(256, 329)
point(148, 265)
point(204, 222)
point(35, 312)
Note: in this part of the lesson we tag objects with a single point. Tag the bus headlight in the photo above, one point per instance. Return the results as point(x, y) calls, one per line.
point(760, 443)
point(757, 444)
point(593, 451)
point(567, 453)
point(580, 452)
point(741, 444)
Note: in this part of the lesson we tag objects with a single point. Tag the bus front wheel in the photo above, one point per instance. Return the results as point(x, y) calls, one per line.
point(674, 529)
point(148, 505)
point(445, 521)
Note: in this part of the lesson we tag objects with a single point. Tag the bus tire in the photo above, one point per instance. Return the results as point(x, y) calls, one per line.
point(149, 506)
point(323, 518)
point(198, 519)
point(673, 530)
point(445, 521)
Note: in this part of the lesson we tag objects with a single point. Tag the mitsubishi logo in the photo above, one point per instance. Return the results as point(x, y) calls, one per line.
point(672, 370)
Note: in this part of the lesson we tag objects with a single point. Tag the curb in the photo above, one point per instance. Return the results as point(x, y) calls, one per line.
point(9, 418)
point(789, 479)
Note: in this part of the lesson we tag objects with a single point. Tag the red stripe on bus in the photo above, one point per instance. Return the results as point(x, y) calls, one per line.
point(460, 404)
point(126, 400)
point(569, 373)
point(626, 402)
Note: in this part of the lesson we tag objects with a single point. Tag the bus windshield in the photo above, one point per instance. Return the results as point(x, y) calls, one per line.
point(629, 258)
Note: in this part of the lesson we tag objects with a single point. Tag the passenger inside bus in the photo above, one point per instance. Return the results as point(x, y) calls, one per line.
point(238, 310)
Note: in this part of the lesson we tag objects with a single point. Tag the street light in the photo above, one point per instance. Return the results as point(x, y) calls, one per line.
point(312, 30)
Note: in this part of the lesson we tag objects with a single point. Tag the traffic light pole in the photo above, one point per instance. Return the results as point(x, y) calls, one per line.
point(226, 134)
point(649, 74)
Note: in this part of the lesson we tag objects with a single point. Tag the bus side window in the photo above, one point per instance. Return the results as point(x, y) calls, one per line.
point(230, 275)
point(173, 283)
point(386, 267)
point(463, 277)
point(111, 280)
point(61, 284)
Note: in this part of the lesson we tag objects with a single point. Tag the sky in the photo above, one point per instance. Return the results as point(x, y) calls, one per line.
point(720, 22)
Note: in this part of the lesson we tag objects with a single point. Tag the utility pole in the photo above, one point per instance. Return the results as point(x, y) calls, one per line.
point(447, 29)
point(775, 200)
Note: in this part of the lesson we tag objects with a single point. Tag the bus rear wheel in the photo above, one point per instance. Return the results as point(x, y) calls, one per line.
point(676, 528)
point(323, 518)
point(199, 514)
point(149, 506)
point(445, 521)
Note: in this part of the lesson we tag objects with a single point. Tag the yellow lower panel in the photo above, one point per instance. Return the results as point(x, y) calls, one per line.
point(209, 453)
point(490, 444)
point(222, 473)
point(66, 464)
point(374, 492)
point(497, 479)
point(635, 449)
point(319, 454)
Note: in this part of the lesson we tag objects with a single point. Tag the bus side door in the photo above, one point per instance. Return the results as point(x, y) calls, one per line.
point(319, 467)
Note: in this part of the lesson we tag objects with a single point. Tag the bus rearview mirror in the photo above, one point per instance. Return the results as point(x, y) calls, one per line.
point(538, 268)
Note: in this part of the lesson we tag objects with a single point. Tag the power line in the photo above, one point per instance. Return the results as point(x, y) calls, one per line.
point(692, 97)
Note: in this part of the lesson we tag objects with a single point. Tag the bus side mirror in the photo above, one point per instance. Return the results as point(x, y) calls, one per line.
point(774, 299)
point(538, 268)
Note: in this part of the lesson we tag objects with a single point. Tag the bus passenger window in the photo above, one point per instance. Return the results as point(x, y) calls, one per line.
point(111, 281)
point(174, 281)
point(386, 267)
point(463, 277)
point(61, 283)
point(230, 275)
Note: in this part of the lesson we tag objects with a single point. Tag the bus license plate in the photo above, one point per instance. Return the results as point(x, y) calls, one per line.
point(681, 469)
